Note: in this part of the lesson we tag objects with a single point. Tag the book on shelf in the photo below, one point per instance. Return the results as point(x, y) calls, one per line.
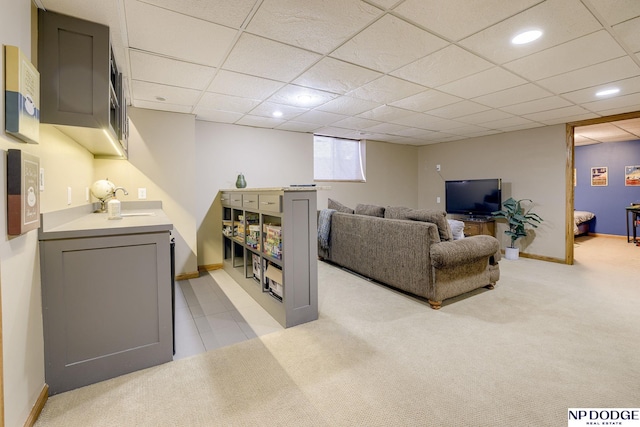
point(274, 277)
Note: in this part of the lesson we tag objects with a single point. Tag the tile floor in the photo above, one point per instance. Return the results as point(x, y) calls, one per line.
point(213, 311)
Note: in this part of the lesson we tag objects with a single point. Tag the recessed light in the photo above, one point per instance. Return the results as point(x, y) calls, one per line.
point(526, 37)
point(304, 98)
point(277, 114)
point(607, 92)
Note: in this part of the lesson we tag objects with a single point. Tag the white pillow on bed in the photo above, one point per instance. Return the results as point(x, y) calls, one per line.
point(457, 228)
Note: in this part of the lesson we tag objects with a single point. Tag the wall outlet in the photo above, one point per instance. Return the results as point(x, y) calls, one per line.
point(68, 195)
point(438, 169)
point(86, 194)
point(142, 193)
point(437, 199)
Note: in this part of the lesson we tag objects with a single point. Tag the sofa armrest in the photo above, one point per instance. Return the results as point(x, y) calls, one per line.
point(457, 252)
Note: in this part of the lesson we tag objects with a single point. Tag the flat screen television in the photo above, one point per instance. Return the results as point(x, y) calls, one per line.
point(473, 197)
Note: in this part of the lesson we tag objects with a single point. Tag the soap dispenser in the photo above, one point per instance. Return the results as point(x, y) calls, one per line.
point(113, 207)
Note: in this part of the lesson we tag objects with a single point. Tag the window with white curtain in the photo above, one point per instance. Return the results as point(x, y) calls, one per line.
point(338, 159)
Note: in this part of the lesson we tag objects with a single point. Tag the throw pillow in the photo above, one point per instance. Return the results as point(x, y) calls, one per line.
point(439, 218)
point(333, 204)
point(457, 229)
point(370, 210)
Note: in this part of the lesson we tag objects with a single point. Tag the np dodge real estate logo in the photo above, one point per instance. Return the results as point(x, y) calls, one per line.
point(627, 417)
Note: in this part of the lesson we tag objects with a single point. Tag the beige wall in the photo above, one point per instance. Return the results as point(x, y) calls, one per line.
point(391, 174)
point(531, 164)
point(66, 164)
point(161, 159)
point(273, 158)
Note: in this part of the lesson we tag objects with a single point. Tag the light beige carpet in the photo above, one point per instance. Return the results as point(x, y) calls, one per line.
point(549, 337)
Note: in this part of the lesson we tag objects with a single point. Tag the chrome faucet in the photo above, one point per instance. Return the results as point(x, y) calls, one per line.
point(124, 190)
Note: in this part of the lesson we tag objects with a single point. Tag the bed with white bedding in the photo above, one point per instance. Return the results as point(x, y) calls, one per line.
point(582, 219)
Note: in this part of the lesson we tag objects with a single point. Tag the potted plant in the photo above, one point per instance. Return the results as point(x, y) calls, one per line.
point(518, 216)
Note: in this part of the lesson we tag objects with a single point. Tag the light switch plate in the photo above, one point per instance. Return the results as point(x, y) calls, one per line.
point(142, 193)
point(68, 195)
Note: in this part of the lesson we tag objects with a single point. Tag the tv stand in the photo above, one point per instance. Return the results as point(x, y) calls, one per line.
point(475, 226)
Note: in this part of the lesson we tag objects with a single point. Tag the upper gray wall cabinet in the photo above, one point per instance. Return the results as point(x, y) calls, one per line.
point(81, 90)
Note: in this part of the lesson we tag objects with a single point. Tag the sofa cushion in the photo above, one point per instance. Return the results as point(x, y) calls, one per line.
point(457, 229)
point(396, 212)
point(370, 210)
point(334, 204)
point(439, 218)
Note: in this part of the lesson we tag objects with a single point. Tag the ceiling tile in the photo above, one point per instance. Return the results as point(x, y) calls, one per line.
point(260, 122)
point(559, 115)
point(158, 30)
point(426, 121)
point(145, 91)
point(537, 105)
point(266, 109)
point(230, 83)
point(425, 101)
point(385, 4)
point(348, 105)
point(386, 128)
point(336, 76)
point(459, 109)
point(560, 21)
point(356, 123)
point(628, 101)
point(629, 32)
point(485, 116)
point(157, 69)
point(514, 95)
point(602, 131)
point(224, 12)
point(319, 26)
point(338, 132)
point(482, 83)
point(299, 96)
point(468, 130)
point(608, 71)
point(444, 66)
point(455, 19)
point(627, 86)
point(217, 115)
point(386, 89)
point(582, 52)
point(507, 123)
point(162, 106)
point(385, 113)
point(388, 44)
point(236, 104)
point(320, 117)
point(265, 58)
point(294, 126)
point(616, 11)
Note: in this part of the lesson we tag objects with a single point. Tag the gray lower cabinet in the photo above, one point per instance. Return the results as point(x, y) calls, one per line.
point(106, 307)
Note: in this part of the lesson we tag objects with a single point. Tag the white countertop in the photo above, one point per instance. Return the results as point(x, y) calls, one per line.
point(290, 188)
point(82, 222)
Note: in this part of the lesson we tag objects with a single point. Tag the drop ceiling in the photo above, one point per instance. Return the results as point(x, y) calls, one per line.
point(402, 71)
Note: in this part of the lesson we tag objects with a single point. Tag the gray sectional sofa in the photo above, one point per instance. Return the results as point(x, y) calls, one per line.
point(411, 250)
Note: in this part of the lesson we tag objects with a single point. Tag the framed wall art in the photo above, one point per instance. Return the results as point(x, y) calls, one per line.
point(23, 195)
point(632, 176)
point(21, 96)
point(600, 176)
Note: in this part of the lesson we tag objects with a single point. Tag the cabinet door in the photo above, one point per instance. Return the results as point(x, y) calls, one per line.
point(73, 60)
point(106, 307)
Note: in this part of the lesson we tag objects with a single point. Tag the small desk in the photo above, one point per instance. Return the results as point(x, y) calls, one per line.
point(634, 211)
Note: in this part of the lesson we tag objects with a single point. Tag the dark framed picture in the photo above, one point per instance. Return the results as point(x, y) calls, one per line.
point(23, 192)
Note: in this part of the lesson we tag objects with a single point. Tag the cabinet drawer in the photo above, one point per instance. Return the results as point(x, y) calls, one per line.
point(250, 201)
point(271, 202)
point(235, 199)
point(231, 199)
point(472, 229)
